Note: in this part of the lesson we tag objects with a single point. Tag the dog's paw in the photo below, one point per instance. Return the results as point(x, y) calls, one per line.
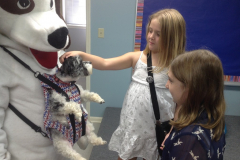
point(75, 156)
point(101, 102)
point(98, 141)
point(98, 99)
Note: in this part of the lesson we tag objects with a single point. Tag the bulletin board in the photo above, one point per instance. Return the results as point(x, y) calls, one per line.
point(212, 25)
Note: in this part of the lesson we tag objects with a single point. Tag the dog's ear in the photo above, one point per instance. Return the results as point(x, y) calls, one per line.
point(58, 8)
point(59, 12)
point(67, 67)
point(80, 58)
point(66, 62)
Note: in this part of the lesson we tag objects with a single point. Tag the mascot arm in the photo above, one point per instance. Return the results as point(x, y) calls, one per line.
point(4, 100)
point(5, 82)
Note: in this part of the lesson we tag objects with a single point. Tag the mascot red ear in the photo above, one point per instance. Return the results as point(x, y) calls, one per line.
point(32, 31)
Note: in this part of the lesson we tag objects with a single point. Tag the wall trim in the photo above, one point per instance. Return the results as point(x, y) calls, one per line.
point(88, 46)
point(229, 83)
point(95, 119)
point(76, 26)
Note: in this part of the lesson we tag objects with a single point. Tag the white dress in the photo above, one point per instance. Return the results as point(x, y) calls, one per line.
point(135, 135)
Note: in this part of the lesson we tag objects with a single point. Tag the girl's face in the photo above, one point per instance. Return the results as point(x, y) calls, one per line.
point(177, 89)
point(153, 36)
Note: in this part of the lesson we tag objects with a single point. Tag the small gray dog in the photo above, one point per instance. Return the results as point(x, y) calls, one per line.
point(59, 108)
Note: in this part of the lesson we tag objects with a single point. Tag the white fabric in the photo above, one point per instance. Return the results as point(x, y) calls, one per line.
point(135, 135)
point(36, 29)
point(19, 87)
point(32, 29)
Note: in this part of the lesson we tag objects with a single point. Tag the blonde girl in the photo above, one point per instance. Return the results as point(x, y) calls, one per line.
point(135, 135)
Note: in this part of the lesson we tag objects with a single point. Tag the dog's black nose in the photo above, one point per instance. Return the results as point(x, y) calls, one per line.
point(58, 38)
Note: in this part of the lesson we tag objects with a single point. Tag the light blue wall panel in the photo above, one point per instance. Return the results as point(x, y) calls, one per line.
point(117, 17)
point(232, 97)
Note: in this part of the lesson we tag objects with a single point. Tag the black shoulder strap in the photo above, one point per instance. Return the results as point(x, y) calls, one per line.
point(26, 120)
point(37, 74)
point(16, 58)
point(83, 120)
point(150, 80)
point(47, 81)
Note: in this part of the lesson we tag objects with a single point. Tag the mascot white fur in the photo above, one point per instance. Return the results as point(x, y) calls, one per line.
point(32, 31)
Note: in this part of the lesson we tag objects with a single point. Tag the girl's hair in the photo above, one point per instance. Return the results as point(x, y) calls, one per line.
point(201, 73)
point(172, 36)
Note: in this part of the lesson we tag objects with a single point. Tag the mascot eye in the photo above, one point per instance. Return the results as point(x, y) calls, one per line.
point(51, 4)
point(23, 4)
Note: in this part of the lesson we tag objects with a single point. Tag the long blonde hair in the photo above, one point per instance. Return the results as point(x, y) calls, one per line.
point(172, 36)
point(201, 73)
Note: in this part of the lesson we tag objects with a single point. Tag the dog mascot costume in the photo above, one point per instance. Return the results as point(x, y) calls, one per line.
point(31, 30)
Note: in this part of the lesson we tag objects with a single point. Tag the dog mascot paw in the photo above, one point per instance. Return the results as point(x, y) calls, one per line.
point(31, 31)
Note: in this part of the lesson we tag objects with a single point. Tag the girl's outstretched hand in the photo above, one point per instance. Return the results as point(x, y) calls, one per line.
point(69, 54)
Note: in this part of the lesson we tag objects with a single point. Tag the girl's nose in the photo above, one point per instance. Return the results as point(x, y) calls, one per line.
point(166, 85)
point(152, 35)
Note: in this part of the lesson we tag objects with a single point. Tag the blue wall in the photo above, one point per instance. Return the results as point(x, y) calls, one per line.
point(117, 17)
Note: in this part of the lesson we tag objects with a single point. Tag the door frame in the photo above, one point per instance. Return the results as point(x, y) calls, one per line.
point(88, 45)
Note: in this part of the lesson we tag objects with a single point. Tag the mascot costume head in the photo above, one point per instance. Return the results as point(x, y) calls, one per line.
point(32, 31)
point(33, 26)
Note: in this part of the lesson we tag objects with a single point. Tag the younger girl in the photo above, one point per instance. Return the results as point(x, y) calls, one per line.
point(196, 84)
point(135, 135)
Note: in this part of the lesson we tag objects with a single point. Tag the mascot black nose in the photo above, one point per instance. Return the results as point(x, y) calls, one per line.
point(58, 38)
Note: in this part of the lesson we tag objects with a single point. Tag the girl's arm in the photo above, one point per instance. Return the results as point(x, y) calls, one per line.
point(122, 62)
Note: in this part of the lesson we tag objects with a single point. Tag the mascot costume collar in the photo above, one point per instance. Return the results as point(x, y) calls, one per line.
point(31, 30)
